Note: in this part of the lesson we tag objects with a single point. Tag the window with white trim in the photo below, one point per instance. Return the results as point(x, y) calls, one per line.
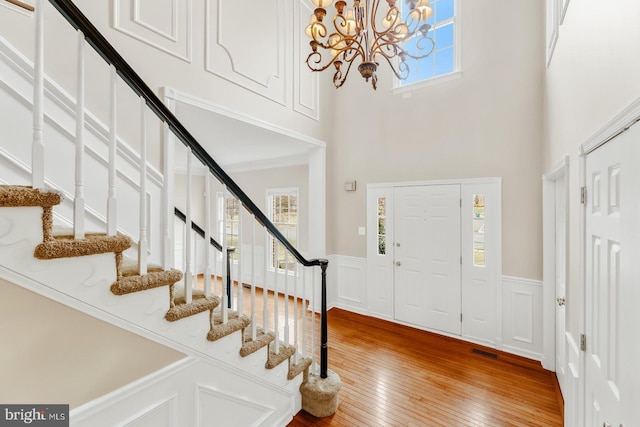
point(282, 207)
point(444, 31)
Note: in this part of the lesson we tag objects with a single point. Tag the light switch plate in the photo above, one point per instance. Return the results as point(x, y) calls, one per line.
point(362, 231)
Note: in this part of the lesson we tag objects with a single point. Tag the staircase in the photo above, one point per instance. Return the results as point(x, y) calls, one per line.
point(126, 273)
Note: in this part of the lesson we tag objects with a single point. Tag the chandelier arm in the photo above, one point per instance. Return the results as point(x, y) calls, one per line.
point(339, 82)
point(393, 67)
point(318, 61)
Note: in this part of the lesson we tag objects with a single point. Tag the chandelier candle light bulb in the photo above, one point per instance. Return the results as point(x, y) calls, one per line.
point(368, 33)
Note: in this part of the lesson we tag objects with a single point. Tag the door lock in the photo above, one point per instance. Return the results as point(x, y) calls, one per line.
point(561, 301)
point(398, 263)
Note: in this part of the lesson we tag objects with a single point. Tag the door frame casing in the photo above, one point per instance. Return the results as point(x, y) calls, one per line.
point(387, 189)
point(558, 171)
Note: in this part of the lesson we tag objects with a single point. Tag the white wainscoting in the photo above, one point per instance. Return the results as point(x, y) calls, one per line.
point(522, 317)
point(521, 305)
point(190, 392)
point(165, 25)
point(347, 283)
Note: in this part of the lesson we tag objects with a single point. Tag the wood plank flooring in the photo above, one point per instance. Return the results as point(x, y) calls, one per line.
point(393, 375)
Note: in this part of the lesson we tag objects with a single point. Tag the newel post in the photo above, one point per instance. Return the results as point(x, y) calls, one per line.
point(324, 348)
point(320, 394)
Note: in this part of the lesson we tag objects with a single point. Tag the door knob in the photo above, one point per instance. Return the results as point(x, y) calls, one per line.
point(606, 424)
point(398, 263)
point(561, 301)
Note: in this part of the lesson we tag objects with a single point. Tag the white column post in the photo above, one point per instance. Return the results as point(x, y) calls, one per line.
point(78, 201)
point(254, 331)
point(276, 322)
point(225, 254)
point(207, 234)
point(37, 145)
point(295, 312)
point(286, 298)
point(112, 212)
point(265, 292)
point(168, 217)
point(144, 227)
point(240, 297)
point(188, 282)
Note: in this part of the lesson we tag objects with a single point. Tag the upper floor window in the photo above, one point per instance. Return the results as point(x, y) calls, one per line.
point(283, 212)
point(444, 31)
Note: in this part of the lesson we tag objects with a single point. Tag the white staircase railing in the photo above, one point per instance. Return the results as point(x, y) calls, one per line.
point(292, 287)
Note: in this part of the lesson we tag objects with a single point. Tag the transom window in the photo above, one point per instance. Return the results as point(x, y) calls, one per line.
point(283, 212)
point(444, 59)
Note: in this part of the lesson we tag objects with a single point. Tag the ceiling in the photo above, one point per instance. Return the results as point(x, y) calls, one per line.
point(238, 143)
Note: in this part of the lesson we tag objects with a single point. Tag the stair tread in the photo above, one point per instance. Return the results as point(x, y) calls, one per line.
point(296, 369)
point(250, 346)
point(65, 246)
point(134, 282)
point(17, 195)
point(199, 303)
point(275, 359)
point(235, 322)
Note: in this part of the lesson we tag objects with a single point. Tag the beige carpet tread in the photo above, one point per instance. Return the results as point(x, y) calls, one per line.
point(275, 359)
point(250, 346)
point(15, 196)
point(234, 323)
point(199, 303)
point(133, 282)
point(297, 368)
point(66, 246)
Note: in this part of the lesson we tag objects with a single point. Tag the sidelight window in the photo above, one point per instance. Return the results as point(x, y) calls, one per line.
point(478, 230)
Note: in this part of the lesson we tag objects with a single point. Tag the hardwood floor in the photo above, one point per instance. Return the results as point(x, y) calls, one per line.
point(394, 375)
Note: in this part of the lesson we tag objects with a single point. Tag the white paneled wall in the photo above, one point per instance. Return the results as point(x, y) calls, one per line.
point(521, 311)
point(166, 25)
point(189, 392)
point(233, 50)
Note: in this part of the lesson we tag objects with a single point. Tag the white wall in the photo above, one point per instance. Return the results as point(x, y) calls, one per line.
point(52, 353)
point(594, 74)
point(486, 123)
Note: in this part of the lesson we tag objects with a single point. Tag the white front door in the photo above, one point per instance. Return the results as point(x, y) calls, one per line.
point(604, 173)
point(427, 256)
point(561, 277)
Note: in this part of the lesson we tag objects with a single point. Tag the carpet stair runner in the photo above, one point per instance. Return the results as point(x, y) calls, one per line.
point(60, 243)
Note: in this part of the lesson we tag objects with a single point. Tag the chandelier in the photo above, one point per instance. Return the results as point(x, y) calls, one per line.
point(372, 34)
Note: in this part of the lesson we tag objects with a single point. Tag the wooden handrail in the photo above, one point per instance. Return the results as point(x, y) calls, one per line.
point(22, 5)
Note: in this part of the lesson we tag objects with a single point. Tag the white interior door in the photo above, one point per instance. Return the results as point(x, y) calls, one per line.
point(427, 256)
point(560, 277)
point(602, 299)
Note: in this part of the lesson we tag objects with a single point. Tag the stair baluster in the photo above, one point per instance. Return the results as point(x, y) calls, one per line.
point(207, 236)
point(276, 297)
point(112, 203)
point(78, 201)
point(188, 246)
point(144, 223)
point(254, 326)
point(37, 146)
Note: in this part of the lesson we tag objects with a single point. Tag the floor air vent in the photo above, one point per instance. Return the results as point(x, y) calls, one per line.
point(485, 353)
